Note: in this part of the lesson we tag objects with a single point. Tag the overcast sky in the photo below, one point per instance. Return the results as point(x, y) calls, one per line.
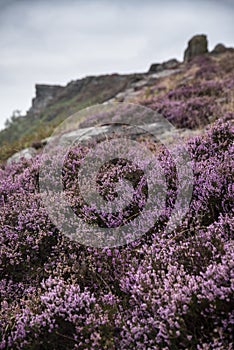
point(54, 42)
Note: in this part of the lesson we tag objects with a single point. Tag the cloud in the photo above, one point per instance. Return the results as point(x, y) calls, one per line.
point(44, 41)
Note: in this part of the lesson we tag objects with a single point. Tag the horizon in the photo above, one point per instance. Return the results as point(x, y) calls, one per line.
point(115, 38)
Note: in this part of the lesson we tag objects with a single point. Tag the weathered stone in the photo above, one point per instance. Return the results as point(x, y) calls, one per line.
point(26, 153)
point(44, 94)
point(197, 46)
point(155, 131)
point(220, 48)
point(171, 64)
point(155, 68)
point(153, 128)
point(159, 67)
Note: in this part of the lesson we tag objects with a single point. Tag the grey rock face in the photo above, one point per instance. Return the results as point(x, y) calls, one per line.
point(134, 86)
point(97, 89)
point(153, 128)
point(155, 131)
point(44, 94)
point(159, 67)
point(171, 64)
point(26, 153)
point(197, 46)
point(219, 48)
point(155, 68)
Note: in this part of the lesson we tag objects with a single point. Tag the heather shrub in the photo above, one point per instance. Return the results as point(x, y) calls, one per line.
point(207, 68)
point(193, 106)
point(165, 290)
point(197, 99)
point(192, 113)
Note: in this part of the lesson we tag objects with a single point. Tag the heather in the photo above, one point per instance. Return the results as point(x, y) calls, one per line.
point(164, 290)
point(200, 93)
point(197, 96)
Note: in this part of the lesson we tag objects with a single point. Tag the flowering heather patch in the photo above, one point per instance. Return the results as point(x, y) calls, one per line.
point(163, 291)
point(192, 113)
point(208, 68)
point(192, 106)
point(199, 98)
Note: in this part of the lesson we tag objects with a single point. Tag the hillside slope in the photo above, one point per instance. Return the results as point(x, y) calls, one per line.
point(53, 104)
point(197, 92)
point(76, 274)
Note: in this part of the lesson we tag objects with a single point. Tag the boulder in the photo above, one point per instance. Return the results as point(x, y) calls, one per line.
point(156, 130)
point(220, 48)
point(155, 68)
point(197, 46)
point(26, 153)
point(171, 64)
point(159, 67)
point(44, 94)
